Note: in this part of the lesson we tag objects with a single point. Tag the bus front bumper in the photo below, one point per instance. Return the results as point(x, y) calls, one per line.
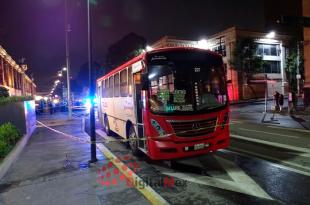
point(165, 150)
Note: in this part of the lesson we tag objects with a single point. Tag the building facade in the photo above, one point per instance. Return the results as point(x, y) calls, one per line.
point(272, 51)
point(271, 47)
point(13, 76)
point(306, 32)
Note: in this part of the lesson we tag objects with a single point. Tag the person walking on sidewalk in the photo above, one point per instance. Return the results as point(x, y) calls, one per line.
point(281, 101)
point(276, 99)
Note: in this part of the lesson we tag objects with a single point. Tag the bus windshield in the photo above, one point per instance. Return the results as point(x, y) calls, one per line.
point(186, 81)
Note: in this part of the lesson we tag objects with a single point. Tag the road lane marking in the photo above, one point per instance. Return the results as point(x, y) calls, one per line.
point(235, 122)
point(241, 183)
point(287, 128)
point(274, 144)
point(282, 163)
point(270, 133)
point(147, 191)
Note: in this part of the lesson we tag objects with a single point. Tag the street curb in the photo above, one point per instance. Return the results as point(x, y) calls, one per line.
point(249, 101)
point(14, 154)
point(150, 194)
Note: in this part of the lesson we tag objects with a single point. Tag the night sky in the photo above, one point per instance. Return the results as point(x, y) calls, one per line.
point(34, 29)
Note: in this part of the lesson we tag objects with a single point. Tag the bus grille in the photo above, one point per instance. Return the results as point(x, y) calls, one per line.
point(194, 128)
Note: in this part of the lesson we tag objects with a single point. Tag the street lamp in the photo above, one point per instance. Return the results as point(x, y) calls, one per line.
point(67, 68)
point(148, 48)
point(91, 90)
point(271, 34)
point(203, 44)
point(64, 69)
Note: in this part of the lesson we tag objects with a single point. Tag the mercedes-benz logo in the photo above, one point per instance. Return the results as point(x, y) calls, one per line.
point(195, 126)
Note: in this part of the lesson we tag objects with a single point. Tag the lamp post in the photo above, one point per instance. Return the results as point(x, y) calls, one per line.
point(91, 90)
point(67, 30)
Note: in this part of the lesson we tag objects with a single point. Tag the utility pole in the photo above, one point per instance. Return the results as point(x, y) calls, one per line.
point(266, 92)
point(297, 69)
point(67, 30)
point(91, 89)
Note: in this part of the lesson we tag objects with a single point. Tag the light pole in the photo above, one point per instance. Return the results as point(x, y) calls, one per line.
point(67, 30)
point(91, 90)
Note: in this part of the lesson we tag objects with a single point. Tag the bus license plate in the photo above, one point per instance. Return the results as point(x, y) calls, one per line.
point(199, 146)
point(196, 147)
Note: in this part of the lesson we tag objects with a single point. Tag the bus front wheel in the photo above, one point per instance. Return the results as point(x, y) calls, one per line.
point(133, 141)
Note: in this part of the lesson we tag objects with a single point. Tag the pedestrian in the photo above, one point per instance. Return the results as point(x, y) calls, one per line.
point(50, 106)
point(281, 101)
point(294, 101)
point(276, 99)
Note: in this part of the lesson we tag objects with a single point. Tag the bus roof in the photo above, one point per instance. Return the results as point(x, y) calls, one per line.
point(141, 56)
point(121, 67)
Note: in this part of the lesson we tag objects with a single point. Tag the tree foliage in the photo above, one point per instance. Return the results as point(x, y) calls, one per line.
point(123, 50)
point(291, 65)
point(81, 83)
point(245, 58)
point(9, 136)
point(4, 92)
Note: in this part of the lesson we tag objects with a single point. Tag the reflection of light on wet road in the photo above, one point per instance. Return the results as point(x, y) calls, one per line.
point(292, 129)
point(284, 164)
point(270, 133)
point(238, 180)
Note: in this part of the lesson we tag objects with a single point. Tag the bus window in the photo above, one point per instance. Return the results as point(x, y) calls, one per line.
point(106, 82)
point(130, 81)
point(123, 85)
point(110, 92)
point(102, 89)
point(116, 85)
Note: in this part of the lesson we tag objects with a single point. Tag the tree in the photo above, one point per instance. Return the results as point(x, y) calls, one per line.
point(80, 84)
point(291, 65)
point(245, 59)
point(4, 92)
point(128, 47)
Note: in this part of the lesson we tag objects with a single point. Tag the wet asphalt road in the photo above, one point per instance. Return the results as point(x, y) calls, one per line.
point(245, 173)
point(274, 170)
point(224, 177)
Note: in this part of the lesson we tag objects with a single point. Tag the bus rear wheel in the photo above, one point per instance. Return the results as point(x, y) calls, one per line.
point(107, 126)
point(133, 142)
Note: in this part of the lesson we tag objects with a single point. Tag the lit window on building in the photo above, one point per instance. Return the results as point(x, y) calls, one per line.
point(268, 50)
point(271, 67)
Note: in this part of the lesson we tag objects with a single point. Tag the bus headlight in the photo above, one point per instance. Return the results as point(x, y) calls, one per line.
point(158, 128)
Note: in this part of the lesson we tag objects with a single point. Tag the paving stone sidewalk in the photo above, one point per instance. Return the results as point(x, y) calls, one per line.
point(52, 169)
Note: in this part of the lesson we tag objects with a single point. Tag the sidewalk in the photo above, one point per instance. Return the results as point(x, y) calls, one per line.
point(253, 112)
point(52, 169)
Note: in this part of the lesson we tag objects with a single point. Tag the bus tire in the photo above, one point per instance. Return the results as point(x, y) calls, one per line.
point(106, 126)
point(133, 142)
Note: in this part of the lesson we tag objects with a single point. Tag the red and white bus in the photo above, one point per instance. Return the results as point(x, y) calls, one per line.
point(171, 103)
